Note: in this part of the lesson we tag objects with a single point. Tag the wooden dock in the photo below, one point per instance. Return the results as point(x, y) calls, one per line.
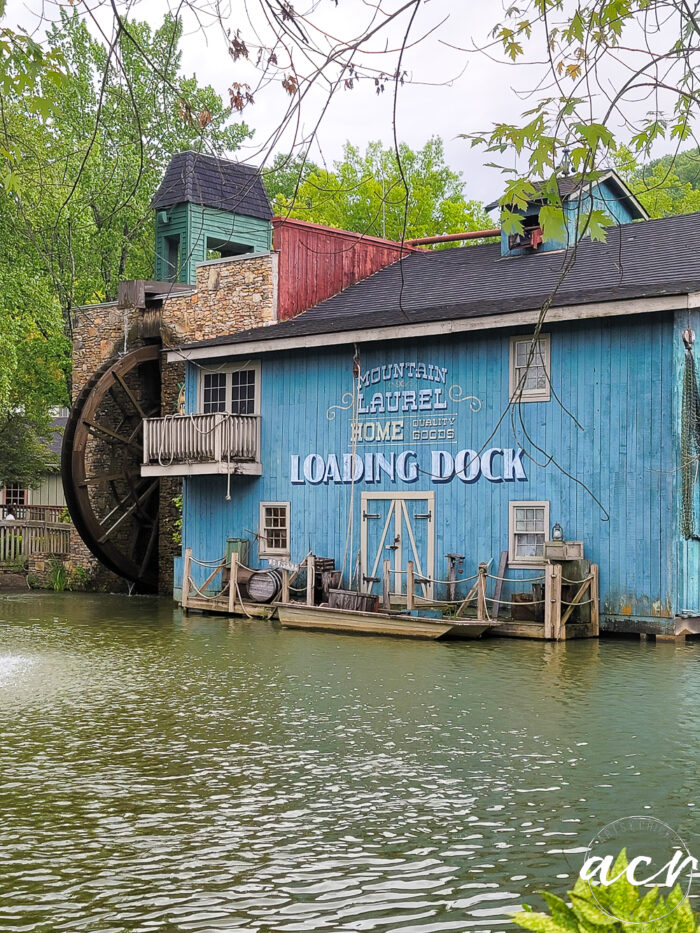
point(462, 621)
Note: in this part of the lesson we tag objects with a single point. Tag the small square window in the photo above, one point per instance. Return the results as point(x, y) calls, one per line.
point(527, 526)
point(530, 370)
point(274, 529)
point(214, 386)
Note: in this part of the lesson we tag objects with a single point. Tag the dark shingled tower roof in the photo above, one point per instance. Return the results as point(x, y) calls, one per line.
point(195, 178)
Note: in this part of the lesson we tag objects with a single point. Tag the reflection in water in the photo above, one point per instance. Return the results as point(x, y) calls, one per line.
point(201, 774)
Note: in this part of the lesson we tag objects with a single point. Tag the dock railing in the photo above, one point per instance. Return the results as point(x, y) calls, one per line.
point(215, 438)
point(557, 611)
point(20, 539)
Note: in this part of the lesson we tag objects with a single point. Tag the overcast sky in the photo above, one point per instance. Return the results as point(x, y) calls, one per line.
point(448, 92)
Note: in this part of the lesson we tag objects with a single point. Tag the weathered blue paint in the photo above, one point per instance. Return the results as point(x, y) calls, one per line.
point(620, 377)
point(604, 196)
point(185, 232)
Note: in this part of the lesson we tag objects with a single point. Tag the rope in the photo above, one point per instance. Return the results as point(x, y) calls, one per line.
point(690, 445)
point(511, 580)
point(508, 602)
point(580, 602)
point(209, 563)
point(202, 593)
point(575, 582)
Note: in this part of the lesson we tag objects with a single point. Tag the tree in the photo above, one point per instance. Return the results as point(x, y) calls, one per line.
point(664, 186)
point(88, 173)
point(81, 154)
point(602, 58)
point(383, 194)
point(285, 175)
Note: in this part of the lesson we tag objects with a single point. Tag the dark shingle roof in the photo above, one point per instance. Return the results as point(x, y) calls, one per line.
point(212, 182)
point(644, 259)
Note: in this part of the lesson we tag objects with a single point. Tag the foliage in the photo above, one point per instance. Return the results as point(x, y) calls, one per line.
point(78, 579)
point(77, 174)
point(666, 186)
point(603, 58)
point(620, 900)
point(58, 576)
point(366, 193)
point(285, 175)
point(177, 524)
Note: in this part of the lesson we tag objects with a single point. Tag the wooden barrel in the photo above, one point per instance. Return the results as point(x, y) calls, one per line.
point(264, 585)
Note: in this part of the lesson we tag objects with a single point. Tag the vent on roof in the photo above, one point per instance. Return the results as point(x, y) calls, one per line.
point(531, 237)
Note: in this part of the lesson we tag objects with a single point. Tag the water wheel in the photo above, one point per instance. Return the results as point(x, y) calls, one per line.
point(113, 507)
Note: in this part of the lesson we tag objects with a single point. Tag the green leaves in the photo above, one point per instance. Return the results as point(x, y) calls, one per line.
point(615, 908)
point(365, 192)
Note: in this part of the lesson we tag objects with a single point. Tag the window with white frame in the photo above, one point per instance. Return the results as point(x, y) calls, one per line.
point(530, 370)
point(273, 538)
point(231, 390)
point(528, 523)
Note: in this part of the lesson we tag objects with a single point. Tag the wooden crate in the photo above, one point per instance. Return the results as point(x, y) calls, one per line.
point(349, 599)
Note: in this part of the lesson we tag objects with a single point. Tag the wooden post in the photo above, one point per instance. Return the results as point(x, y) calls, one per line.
point(595, 604)
point(233, 583)
point(310, 579)
point(481, 593)
point(552, 602)
point(285, 586)
point(451, 578)
point(186, 577)
point(410, 585)
point(386, 586)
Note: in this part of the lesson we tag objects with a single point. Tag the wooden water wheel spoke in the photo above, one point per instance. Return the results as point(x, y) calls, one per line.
point(131, 496)
point(114, 510)
point(152, 539)
point(111, 435)
point(98, 478)
point(134, 505)
point(132, 398)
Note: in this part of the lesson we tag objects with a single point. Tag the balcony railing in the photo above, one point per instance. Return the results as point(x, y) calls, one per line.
point(35, 513)
point(182, 445)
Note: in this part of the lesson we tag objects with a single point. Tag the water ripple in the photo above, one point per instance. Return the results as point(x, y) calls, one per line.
point(168, 774)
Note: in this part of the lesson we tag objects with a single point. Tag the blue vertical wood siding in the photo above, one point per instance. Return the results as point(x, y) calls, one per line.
point(619, 377)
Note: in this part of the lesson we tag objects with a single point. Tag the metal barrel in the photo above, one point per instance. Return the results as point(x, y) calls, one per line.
point(264, 585)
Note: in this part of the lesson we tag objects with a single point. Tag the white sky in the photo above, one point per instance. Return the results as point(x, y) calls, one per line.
point(468, 92)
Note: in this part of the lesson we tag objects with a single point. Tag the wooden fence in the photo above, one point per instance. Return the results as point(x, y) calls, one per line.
point(34, 513)
point(23, 539)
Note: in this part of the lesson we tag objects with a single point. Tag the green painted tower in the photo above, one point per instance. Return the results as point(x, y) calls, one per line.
point(207, 208)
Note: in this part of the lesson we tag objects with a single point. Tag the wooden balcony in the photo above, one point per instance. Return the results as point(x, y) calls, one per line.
point(191, 445)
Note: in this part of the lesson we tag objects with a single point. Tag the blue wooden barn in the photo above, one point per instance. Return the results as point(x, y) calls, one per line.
point(433, 409)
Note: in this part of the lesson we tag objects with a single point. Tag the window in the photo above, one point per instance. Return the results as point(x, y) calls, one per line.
point(274, 529)
point(527, 531)
point(243, 392)
point(15, 494)
point(231, 390)
point(530, 384)
point(214, 385)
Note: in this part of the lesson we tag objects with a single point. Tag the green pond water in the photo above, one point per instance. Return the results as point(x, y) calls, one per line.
point(170, 773)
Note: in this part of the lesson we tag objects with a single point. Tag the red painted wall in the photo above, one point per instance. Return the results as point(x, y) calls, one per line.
point(317, 262)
